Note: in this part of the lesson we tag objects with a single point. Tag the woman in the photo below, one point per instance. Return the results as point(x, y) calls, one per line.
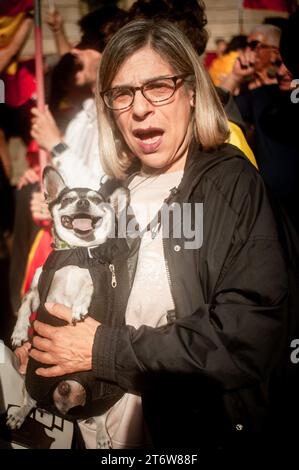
point(203, 318)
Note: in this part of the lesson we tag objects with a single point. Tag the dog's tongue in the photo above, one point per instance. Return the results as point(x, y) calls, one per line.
point(82, 224)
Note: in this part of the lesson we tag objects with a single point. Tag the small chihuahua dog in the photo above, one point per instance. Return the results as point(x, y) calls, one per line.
point(81, 218)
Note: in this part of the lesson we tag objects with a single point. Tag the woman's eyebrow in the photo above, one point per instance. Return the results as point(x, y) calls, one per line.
point(128, 85)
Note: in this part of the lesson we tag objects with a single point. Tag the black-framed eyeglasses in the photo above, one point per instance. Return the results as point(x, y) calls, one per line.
point(154, 91)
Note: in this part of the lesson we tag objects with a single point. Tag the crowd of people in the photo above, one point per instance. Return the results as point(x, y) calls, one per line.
point(199, 343)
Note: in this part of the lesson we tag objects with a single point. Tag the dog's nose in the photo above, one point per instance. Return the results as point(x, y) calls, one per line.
point(64, 388)
point(83, 204)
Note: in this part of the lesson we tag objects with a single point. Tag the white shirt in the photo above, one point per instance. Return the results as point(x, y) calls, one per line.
point(80, 164)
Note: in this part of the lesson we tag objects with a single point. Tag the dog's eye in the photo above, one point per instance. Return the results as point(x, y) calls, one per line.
point(67, 200)
point(95, 199)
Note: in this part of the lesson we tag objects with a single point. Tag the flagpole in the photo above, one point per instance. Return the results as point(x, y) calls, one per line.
point(39, 72)
point(241, 16)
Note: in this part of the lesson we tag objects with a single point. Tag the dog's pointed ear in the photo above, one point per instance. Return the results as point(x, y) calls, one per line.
point(53, 183)
point(119, 200)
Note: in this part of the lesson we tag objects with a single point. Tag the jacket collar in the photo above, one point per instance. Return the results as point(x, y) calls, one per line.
point(200, 162)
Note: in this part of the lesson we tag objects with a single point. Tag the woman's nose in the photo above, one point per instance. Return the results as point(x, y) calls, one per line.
point(141, 106)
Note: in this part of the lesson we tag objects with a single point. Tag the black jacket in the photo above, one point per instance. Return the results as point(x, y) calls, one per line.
point(207, 370)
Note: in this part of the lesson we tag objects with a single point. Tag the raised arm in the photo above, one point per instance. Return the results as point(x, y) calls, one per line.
point(17, 42)
point(56, 24)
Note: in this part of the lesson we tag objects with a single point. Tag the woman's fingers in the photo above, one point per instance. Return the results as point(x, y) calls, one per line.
point(67, 347)
point(43, 344)
point(55, 371)
point(47, 331)
point(41, 356)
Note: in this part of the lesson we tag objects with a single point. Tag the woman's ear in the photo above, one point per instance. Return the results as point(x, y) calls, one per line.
point(192, 99)
point(191, 93)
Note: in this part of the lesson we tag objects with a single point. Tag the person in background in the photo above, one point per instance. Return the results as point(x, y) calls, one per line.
point(221, 46)
point(257, 66)
point(75, 153)
point(223, 64)
point(56, 25)
point(271, 120)
point(90, 25)
point(190, 16)
point(210, 56)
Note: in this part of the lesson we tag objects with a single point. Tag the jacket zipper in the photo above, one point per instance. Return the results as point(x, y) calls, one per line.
point(113, 276)
point(168, 200)
point(170, 283)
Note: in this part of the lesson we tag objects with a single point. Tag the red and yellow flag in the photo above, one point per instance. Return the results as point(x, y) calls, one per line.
point(19, 78)
point(274, 5)
point(11, 16)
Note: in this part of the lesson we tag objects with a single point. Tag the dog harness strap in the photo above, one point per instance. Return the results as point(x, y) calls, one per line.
point(44, 283)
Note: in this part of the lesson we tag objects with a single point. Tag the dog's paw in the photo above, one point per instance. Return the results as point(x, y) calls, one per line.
point(103, 440)
point(16, 417)
point(19, 335)
point(79, 312)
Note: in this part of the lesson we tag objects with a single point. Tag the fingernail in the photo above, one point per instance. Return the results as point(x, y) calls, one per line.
point(49, 305)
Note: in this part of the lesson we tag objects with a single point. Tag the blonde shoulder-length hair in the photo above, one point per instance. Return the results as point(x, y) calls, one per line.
point(210, 126)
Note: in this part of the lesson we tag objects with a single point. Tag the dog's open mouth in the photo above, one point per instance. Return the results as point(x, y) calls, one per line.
point(82, 224)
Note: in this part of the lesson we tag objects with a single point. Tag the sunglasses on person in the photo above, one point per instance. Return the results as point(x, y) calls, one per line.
point(277, 63)
point(253, 45)
point(154, 91)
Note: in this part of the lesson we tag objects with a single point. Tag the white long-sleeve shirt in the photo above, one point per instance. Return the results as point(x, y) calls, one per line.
point(80, 164)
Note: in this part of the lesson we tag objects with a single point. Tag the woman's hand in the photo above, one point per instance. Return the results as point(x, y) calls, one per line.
point(22, 353)
point(67, 348)
point(44, 129)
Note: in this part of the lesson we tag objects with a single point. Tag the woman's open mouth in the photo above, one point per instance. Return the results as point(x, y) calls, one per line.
point(82, 224)
point(149, 140)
